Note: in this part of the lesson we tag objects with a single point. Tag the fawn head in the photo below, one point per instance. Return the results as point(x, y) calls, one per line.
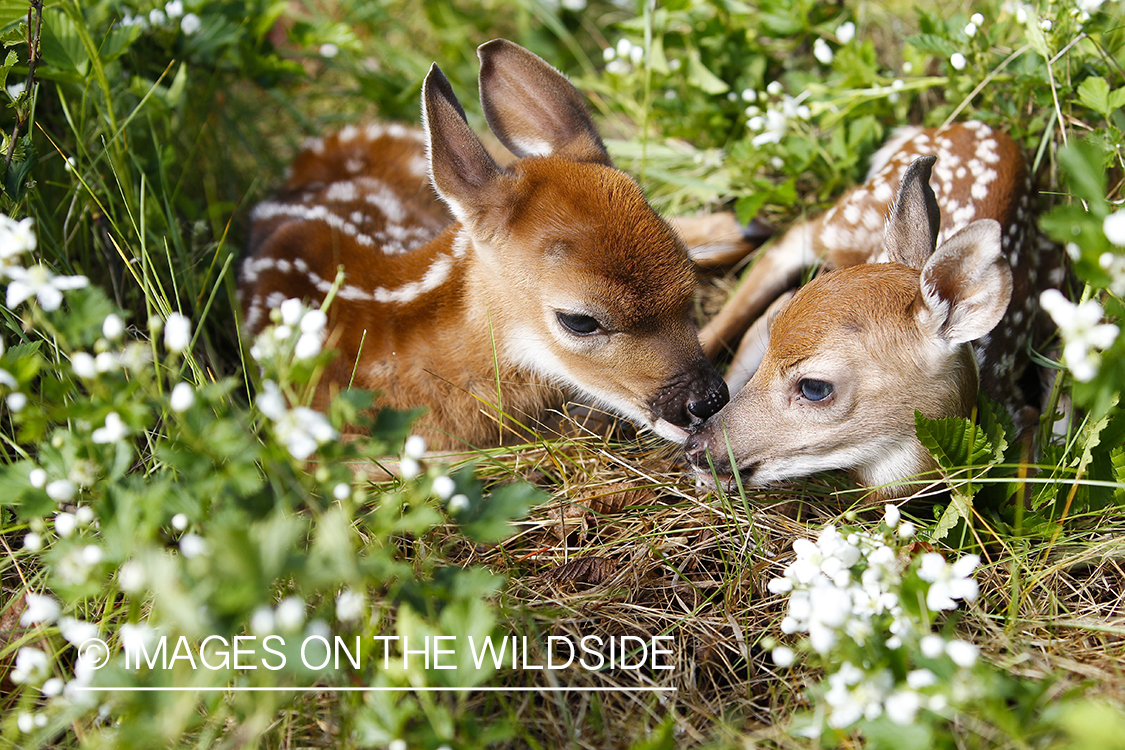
point(571, 270)
point(858, 350)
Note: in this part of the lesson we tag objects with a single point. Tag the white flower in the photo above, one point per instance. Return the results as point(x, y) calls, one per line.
point(38, 281)
point(61, 490)
point(444, 487)
point(131, 576)
point(1021, 14)
point(853, 695)
point(32, 666)
point(16, 401)
point(845, 32)
point(16, 89)
point(397, 744)
point(1114, 265)
point(608, 54)
point(181, 398)
point(963, 653)
point(84, 516)
point(193, 545)
point(970, 29)
point(16, 237)
point(39, 608)
point(179, 522)
point(303, 430)
point(948, 582)
point(308, 346)
point(458, 503)
point(891, 515)
point(1114, 227)
point(156, 17)
point(773, 88)
point(920, 679)
point(341, 491)
point(290, 614)
point(32, 542)
point(25, 722)
point(414, 447)
point(957, 60)
point(409, 467)
point(7, 379)
point(783, 656)
point(105, 361)
point(113, 431)
point(177, 332)
point(113, 327)
point(780, 586)
point(134, 635)
point(932, 646)
point(1088, 6)
point(37, 477)
point(262, 621)
point(190, 24)
point(270, 401)
point(174, 8)
point(290, 311)
point(51, 688)
point(905, 530)
point(749, 95)
point(1046, 24)
point(83, 365)
point(77, 632)
point(773, 127)
point(313, 321)
point(902, 705)
point(349, 605)
point(328, 49)
point(1081, 332)
point(977, 18)
point(91, 555)
point(822, 52)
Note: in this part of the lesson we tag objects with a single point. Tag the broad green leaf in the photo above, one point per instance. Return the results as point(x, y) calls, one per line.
point(1084, 165)
point(960, 506)
point(1093, 93)
point(931, 43)
point(490, 519)
point(702, 78)
point(13, 12)
point(62, 46)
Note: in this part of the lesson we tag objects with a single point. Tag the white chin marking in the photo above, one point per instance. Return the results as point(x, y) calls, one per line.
point(669, 431)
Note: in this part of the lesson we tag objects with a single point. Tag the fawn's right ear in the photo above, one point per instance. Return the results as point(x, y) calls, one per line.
point(912, 228)
point(461, 170)
point(532, 108)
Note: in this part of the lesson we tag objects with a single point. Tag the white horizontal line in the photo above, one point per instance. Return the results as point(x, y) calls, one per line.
point(348, 689)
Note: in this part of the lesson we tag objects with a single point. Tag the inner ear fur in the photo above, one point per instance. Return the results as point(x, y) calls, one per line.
point(532, 108)
point(965, 286)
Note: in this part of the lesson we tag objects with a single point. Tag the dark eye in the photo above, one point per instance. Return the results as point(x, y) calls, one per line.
point(815, 390)
point(579, 325)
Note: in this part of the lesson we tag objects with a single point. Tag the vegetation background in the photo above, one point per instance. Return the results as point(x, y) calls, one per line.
point(152, 484)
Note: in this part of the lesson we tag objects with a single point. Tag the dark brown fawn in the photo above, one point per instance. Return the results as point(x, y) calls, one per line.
point(520, 284)
point(899, 326)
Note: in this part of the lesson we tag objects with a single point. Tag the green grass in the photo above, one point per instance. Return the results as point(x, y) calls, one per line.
point(204, 522)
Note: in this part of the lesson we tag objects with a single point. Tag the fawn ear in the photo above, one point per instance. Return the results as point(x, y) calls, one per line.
point(912, 228)
point(532, 108)
point(461, 170)
point(965, 285)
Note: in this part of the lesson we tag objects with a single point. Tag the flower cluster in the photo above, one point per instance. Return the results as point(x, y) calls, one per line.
point(171, 14)
point(772, 123)
point(302, 430)
point(622, 58)
point(846, 592)
point(295, 329)
point(1082, 332)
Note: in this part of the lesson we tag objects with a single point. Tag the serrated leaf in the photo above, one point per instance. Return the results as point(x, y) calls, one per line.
point(997, 425)
point(931, 43)
point(62, 46)
point(1035, 36)
point(1093, 93)
point(1084, 164)
point(1116, 100)
point(954, 442)
point(960, 506)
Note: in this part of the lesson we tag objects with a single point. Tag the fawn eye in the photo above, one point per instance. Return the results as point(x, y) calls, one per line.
point(579, 325)
point(815, 390)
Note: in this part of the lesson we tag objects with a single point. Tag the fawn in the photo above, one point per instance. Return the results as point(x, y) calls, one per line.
point(899, 325)
point(518, 285)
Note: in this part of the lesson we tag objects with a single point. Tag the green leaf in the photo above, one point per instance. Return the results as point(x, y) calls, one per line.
point(13, 12)
point(931, 43)
point(960, 507)
point(62, 46)
point(702, 78)
point(1093, 93)
point(490, 519)
point(1084, 165)
point(748, 206)
point(954, 442)
point(1116, 100)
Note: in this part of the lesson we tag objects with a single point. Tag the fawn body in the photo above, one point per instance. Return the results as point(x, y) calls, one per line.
point(519, 285)
point(899, 326)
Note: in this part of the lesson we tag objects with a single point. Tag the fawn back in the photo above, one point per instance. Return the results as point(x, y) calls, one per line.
point(490, 301)
point(899, 326)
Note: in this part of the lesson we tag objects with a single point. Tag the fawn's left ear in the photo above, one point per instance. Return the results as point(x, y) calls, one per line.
point(912, 228)
point(532, 108)
point(965, 285)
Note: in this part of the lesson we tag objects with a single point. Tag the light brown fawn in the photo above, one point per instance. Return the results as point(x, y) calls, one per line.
point(518, 285)
point(899, 326)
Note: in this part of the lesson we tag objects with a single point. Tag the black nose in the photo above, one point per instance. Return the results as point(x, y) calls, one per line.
point(712, 401)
